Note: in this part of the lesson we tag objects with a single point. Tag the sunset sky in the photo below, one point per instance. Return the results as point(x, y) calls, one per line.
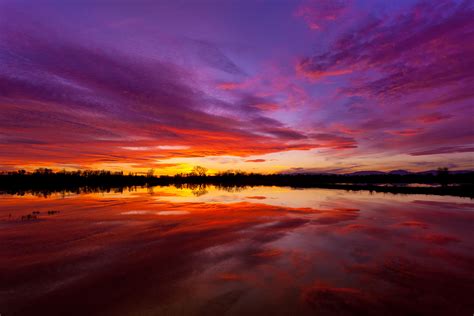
point(261, 86)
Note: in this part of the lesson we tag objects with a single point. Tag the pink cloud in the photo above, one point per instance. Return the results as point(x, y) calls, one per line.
point(443, 150)
point(433, 117)
point(396, 70)
point(407, 132)
point(318, 13)
point(255, 160)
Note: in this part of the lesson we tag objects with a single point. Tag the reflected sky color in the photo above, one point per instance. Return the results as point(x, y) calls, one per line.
point(252, 251)
point(263, 86)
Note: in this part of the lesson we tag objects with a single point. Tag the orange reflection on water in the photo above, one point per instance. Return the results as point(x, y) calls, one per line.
point(251, 251)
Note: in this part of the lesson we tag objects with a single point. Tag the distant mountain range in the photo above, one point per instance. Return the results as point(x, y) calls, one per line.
point(403, 172)
point(400, 172)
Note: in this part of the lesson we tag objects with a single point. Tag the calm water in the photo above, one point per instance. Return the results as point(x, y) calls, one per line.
point(262, 250)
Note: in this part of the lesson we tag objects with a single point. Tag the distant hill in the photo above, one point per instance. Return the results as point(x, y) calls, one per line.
point(400, 172)
point(365, 173)
point(335, 172)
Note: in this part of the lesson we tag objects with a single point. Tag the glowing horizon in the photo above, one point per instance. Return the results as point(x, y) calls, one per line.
point(292, 86)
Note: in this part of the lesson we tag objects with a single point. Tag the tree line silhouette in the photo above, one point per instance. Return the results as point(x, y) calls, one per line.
point(44, 181)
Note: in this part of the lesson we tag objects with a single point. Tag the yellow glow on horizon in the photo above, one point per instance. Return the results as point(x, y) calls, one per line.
point(288, 161)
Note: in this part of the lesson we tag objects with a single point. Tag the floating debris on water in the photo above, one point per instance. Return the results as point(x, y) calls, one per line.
point(28, 217)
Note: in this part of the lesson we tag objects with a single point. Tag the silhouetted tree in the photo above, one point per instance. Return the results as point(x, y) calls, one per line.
point(198, 171)
point(150, 173)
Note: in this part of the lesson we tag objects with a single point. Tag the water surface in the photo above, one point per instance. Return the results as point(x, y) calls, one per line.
point(261, 250)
